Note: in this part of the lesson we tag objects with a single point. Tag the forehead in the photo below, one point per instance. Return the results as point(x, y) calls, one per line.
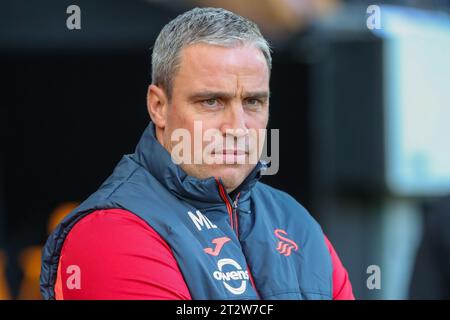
point(204, 65)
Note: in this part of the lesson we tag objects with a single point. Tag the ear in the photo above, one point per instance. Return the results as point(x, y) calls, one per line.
point(157, 104)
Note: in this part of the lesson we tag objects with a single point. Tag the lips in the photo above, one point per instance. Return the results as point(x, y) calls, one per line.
point(231, 152)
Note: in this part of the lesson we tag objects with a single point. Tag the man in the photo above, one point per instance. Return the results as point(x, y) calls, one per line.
point(197, 229)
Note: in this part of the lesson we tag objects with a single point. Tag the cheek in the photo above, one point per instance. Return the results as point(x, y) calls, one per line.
point(178, 118)
point(258, 120)
point(257, 123)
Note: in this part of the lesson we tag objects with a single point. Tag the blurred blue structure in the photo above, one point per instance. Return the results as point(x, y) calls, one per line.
point(379, 119)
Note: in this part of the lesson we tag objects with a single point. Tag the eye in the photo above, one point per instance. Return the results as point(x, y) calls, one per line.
point(253, 102)
point(210, 103)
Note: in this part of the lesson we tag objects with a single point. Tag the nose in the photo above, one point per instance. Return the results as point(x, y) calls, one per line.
point(234, 122)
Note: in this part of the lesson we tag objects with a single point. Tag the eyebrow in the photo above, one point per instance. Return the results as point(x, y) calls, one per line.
point(257, 95)
point(227, 95)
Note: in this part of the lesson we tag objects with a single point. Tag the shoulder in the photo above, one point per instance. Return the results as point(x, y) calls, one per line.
point(342, 287)
point(283, 203)
point(276, 194)
point(106, 222)
point(118, 256)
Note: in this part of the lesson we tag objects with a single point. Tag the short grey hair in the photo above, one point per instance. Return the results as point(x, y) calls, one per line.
point(213, 26)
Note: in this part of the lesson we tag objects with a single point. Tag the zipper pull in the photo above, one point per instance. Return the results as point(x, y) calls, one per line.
point(235, 203)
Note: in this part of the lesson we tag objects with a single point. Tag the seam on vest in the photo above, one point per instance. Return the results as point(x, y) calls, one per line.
point(301, 292)
point(120, 184)
point(315, 292)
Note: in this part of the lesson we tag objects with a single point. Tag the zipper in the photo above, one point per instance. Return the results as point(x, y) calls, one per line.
point(235, 205)
point(232, 211)
point(231, 208)
point(225, 197)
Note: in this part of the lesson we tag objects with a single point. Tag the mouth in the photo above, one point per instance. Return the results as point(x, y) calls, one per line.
point(230, 152)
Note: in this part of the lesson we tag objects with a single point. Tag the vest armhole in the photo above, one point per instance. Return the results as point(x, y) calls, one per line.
point(59, 295)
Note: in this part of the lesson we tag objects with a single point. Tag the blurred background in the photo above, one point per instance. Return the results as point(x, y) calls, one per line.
point(361, 96)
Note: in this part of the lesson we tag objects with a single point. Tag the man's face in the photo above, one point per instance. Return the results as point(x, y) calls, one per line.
point(226, 89)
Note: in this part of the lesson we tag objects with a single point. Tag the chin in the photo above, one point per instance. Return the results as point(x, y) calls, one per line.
point(231, 175)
